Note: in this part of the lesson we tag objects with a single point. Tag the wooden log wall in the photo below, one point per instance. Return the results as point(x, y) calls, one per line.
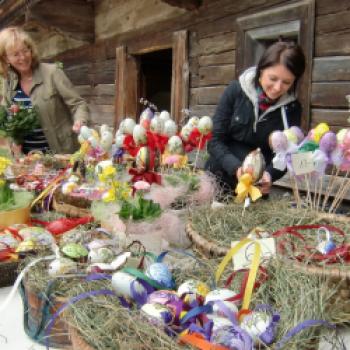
point(212, 48)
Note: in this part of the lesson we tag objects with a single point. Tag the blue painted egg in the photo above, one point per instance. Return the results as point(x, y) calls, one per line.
point(161, 274)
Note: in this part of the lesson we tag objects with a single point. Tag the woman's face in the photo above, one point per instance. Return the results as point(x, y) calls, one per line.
point(20, 58)
point(276, 81)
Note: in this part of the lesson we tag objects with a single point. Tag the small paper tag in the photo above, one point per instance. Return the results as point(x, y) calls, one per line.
point(303, 163)
point(247, 202)
point(243, 258)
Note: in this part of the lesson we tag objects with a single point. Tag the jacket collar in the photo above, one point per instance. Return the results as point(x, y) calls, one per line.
point(13, 78)
point(246, 80)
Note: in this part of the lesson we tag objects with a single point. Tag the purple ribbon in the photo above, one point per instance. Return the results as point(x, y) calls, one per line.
point(140, 298)
point(98, 277)
point(300, 327)
point(226, 311)
point(69, 303)
point(205, 330)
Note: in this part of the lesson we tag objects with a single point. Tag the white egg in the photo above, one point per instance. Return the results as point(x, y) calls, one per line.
point(93, 141)
point(170, 128)
point(175, 145)
point(127, 126)
point(185, 132)
point(256, 323)
point(157, 125)
point(119, 140)
point(139, 134)
point(61, 266)
point(193, 122)
point(165, 115)
point(106, 140)
point(205, 125)
point(121, 283)
point(104, 128)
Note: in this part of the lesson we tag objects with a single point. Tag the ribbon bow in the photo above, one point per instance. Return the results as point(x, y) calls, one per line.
point(246, 188)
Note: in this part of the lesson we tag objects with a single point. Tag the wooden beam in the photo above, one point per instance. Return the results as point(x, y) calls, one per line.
point(120, 85)
point(189, 5)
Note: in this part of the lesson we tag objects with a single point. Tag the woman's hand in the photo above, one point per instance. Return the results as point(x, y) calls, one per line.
point(265, 183)
point(77, 125)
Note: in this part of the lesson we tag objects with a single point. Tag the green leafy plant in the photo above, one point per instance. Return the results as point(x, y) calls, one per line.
point(140, 209)
point(17, 121)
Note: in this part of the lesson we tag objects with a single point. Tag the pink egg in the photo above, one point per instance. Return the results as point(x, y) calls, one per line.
point(346, 140)
point(278, 141)
point(328, 142)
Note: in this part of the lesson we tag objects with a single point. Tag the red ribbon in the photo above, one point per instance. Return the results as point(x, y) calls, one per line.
point(129, 145)
point(149, 176)
point(340, 253)
point(196, 140)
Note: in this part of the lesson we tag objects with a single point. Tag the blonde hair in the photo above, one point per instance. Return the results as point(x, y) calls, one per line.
point(9, 38)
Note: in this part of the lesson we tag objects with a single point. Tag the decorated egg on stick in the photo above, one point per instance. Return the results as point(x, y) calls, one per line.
point(205, 125)
point(254, 164)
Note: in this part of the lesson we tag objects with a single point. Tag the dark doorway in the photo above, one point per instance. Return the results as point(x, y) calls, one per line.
point(155, 78)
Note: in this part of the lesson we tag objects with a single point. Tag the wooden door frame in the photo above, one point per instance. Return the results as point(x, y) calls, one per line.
point(127, 83)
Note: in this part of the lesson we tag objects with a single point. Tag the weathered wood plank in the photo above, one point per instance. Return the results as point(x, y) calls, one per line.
point(102, 114)
point(333, 22)
point(216, 75)
point(333, 44)
point(326, 6)
point(336, 117)
point(189, 5)
point(180, 75)
point(331, 69)
point(215, 44)
point(104, 89)
point(210, 95)
point(81, 74)
point(120, 85)
point(330, 94)
point(202, 110)
point(84, 90)
point(228, 57)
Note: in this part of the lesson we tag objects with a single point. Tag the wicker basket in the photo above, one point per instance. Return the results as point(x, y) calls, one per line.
point(38, 310)
point(8, 273)
point(69, 209)
point(78, 343)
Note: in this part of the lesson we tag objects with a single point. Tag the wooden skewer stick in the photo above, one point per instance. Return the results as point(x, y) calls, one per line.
point(308, 194)
point(319, 194)
point(337, 201)
point(330, 186)
point(197, 154)
point(339, 192)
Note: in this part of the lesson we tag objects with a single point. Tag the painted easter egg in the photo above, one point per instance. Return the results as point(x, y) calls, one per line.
point(175, 145)
point(328, 142)
point(61, 266)
point(74, 250)
point(157, 125)
point(278, 141)
point(146, 159)
point(119, 140)
point(161, 274)
point(221, 294)
point(192, 122)
point(85, 132)
point(121, 283)
point(39, 234)
point(146, 117)
point(219, 322)
point(190, 289)
point(186, 132)
point(170, 128)
point(139, 135)
point(157, 314)
point(106, 140)
point(164, 115)
point(340, 135)
point(127, 126)
point(230, 335)
point(298, 133)
point(205, 125)
point(291, 136)
point(101, 255)
point(256, 323)
point(163, 297)
point(254, 163)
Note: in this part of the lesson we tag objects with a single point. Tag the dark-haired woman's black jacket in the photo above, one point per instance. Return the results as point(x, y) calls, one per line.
point(238, 128)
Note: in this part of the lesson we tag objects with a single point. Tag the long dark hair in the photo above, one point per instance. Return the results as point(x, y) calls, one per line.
point(286, 53)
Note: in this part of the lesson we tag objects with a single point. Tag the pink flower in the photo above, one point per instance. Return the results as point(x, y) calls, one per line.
point(14, 109)
point(142, 186)
point(173, 159)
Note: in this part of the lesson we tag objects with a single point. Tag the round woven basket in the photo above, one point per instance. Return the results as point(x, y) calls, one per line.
point(78, 343)
point(38, 310)
point(69, 209)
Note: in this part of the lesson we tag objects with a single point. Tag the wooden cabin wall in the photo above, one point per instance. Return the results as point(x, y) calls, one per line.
point(331, 66)
point(212, 47)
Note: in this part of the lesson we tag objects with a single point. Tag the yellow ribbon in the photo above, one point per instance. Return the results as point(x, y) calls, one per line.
point(252, 272)
point(246, 188)
point(46, 191)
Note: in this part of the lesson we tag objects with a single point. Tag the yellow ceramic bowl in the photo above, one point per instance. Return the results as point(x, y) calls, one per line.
point(16, 216)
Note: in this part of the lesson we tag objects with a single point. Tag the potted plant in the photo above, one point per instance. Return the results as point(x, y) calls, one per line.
point(14, 206)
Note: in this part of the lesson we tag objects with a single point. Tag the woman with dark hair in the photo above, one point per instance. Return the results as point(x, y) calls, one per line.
point(261, 101)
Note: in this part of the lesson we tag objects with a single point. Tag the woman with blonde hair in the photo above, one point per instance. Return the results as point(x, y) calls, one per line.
point(31, 83)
